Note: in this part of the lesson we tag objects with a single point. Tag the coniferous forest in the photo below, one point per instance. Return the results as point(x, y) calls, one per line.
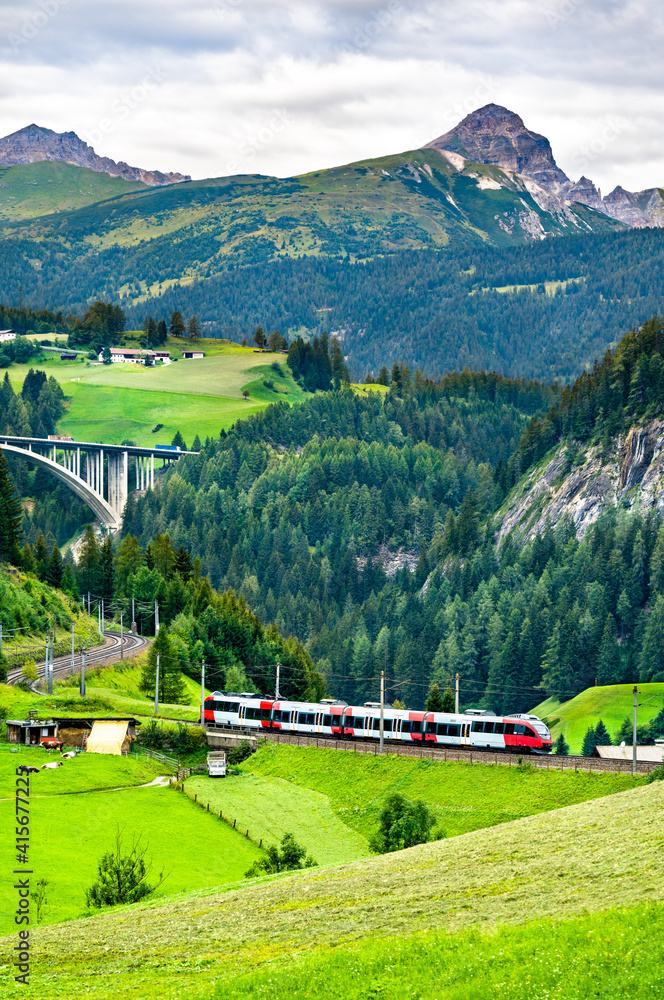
point(363, 525)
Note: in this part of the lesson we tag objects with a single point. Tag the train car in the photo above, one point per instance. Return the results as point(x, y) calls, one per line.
point(488, 732)
point(364, 723)
point(515, 733)
point(311, 719)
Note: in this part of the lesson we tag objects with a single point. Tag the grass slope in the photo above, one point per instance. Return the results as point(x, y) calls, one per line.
point(571, 862)
point(464, 797)
point(69, 833)
point(113, 403)
point(110, 690)
point(271, 807)
point(612, 704)
point(30, 190)
point(88, 772)
point(607, 956)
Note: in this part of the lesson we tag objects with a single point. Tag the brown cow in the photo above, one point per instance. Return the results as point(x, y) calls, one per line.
point(51, 743)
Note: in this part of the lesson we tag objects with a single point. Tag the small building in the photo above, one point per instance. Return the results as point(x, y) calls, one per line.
point(193, 354)
point(6, 336)
point(68, 356)
point(29, 732)
point(644, 755)
point(76, 732)
point(133, 355)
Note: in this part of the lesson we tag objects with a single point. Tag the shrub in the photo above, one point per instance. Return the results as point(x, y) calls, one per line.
point(291, 858)
point(239, 753)
point(402, 824)
point(122, 876)
point(657, 774)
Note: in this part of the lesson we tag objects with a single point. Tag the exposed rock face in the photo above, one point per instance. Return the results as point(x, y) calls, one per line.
point(633, 475)
point(33, 144)
point(494, 134)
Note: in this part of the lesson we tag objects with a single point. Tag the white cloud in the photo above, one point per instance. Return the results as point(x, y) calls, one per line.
point(218, 86)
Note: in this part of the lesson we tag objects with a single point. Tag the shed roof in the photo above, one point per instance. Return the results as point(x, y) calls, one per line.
point(648, 755)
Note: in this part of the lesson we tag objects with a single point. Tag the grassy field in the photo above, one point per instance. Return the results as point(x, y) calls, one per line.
point(87, 772)
point(570, 865)
point(113, 690)
point(464, 797)
point(36, 189)
point(69, 833)
point(113, 403)
point(271, 807)
point(612, 704)
point(607, 956)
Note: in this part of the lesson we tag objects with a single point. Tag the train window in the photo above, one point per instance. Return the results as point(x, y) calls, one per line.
point(509, 729)
point(265, 713)
point(478, 727)
point(416, 727)
point(405, 725)
point(499, 727)
point(358, 722)
point(520, 730)
point(442, 729)
point(431, 727)
point(276, 715)
point(453, 730)
point(302, 719)
point(387, 725)
point(533, 735)
point(234, 706)
point(327, 720)
point(311, 718)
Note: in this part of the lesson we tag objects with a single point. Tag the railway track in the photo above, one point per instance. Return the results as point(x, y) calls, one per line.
point(109, 652)
point(547, 762)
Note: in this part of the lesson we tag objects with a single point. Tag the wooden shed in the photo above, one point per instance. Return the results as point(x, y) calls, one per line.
point(28, 732)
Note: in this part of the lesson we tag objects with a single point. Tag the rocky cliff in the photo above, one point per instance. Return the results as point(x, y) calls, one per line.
point(34, 143)
point(494, 134)
point(582, 485)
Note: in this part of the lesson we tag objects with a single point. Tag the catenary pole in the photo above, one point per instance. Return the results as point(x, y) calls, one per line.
point(156, 688)
point(634, 735)
point(82, 687)
point(277, 696)
point(382, 711)
point(50, 672)
point(203, 693)
point(156, 617)
point(456, 695)
point(121, 639)
point(72, 647)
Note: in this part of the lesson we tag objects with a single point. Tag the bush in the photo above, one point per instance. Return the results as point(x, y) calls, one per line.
point(122, 876)
point(239, 753)
point(657, 774)
point(402, 824)
point(171, 736)
point(291, 858)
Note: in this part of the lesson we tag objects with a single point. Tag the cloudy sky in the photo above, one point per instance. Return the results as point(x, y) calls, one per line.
point(211, 87)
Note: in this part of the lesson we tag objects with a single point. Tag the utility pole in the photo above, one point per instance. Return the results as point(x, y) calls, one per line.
point(456, 695)
point(156, 617)
point(99, 621)
point(634, 735)
point(50, 672)
point(203, 693)
point(156, 689)
point(133, 616)
point(103, 617)
point(382, 711)
point(277, 696)
point(88, 602)
point(82, 686)
point(121, 639)
point(72, 647)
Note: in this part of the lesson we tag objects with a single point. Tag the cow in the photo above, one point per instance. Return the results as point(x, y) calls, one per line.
point(51, 743)
point(69, 755)
point(26, 769)
point(54, 763)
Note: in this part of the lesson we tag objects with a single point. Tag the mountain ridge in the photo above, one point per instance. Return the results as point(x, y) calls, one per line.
point(494, 134)
point(34, 144)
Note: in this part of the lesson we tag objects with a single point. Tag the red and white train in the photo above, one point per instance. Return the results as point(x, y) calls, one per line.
point(513, 733)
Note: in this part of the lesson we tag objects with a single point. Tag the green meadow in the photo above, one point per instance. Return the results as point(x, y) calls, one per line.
point(463, 797)
point(113, 403)
point(531, 892)
point(612, 704)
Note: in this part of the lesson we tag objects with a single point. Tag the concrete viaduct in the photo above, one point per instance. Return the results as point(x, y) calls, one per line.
point(97, 473)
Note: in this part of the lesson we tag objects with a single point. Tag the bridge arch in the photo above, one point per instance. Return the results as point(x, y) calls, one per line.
point(103, 510)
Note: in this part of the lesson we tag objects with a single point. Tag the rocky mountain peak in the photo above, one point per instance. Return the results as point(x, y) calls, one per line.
point(494, 134)
point(34, 143)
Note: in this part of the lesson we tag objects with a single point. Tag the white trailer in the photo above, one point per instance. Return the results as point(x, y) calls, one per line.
point(216, 762)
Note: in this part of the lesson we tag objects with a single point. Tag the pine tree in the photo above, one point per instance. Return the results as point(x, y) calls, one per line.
point(41, 555)
point(106, 560)
point(608, 660)
point(177, 325)
point(562, 746)
point(172, 690)
point(193, 328)
point(259, 338)
point(602, 738)
point(179, 441)
point(434, 702)
point(383, 376)
point(589, 743)
point(11, 516)
point(88, 562)
point(449, 702)
point(55, 569)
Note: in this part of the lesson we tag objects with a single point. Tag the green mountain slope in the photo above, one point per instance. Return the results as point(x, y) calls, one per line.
point(37, 189)
point(541, 867)
point(612, 704)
